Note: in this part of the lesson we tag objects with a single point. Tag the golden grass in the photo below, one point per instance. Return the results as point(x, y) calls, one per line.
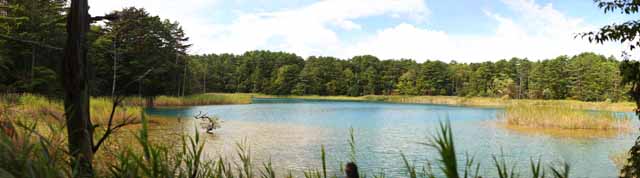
point(194, 100)
point(444, 100)
point(560, 133)
point(472, 101)
point(315, 97)
point(47, 116)
point(563, 117)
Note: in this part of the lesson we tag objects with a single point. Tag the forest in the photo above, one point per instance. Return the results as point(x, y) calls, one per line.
point(139, 44)
point(71, 81)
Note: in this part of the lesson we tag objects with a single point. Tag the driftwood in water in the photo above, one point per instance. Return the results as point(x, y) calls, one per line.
point(211, 124)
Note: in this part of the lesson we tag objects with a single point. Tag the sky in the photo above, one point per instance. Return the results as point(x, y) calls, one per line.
point(461, 30)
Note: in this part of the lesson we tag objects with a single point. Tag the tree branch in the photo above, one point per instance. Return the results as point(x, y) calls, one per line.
point(7, 37)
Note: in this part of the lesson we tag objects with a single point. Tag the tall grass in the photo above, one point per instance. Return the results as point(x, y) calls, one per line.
point(194, 100)
point(473, 101)
point(28, 153)
point(563, 117)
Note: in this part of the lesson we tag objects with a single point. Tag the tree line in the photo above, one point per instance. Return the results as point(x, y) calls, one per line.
point(142, 54)
point(134, 54)
point(587, 76)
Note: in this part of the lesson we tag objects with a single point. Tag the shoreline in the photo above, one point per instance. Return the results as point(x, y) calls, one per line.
point(483, 102)
point(487, 102)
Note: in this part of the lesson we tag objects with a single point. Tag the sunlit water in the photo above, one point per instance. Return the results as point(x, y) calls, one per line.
point(290, 132)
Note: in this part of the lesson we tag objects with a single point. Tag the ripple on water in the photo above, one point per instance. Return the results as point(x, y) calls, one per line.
point(290, 134)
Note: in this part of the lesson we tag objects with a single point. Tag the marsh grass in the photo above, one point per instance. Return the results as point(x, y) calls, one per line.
point(473, 101)
point(194, 100)
point(37, 149)
point(29, 155)
point(563, 117)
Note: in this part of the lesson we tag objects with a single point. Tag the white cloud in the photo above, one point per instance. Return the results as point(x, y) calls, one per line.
point(538, 32)
point(404, 41)
point(310, 30)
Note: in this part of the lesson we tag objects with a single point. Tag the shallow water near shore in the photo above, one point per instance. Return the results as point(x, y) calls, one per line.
point(290, 132)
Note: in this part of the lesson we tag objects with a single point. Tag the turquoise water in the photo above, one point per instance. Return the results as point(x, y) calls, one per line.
point(290, 132)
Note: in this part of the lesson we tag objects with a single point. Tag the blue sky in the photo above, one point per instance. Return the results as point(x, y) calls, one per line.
point(462, 30)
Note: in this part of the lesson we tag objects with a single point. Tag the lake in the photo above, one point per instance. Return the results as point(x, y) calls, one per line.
point(290, 132)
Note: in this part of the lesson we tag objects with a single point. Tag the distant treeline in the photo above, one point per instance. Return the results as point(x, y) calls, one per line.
point(146, 47)
point(587, 76)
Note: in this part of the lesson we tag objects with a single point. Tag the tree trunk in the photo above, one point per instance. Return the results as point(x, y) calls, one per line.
point(76, 100)
point(115, 65)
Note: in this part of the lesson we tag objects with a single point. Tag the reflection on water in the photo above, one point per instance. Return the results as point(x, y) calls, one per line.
point(290, 133)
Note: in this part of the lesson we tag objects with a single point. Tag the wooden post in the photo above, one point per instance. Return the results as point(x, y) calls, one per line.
point(76, 87)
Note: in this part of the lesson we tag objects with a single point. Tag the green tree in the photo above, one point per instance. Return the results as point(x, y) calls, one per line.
point(285, 79)
point(41, 22)
point(630, 70)
point(144, 44)
point(434, 78)
point(408, 83)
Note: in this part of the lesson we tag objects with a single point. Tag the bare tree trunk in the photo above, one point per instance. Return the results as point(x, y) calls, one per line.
point(115, 64)
point(76, 86)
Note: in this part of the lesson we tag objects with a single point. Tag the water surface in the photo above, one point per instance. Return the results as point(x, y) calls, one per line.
point(290, 132)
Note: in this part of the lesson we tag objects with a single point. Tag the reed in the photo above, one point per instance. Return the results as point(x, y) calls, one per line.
point(563, 117)
point(473, 101)
point(194, 100)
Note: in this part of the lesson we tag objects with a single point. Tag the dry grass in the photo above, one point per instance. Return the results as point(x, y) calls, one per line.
point(195, 100)
point(47, 117)
point(445, 100)
point(563, 117)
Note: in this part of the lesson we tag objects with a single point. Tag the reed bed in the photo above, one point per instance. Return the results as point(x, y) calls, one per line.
point(444, 100)
point(194, 100)
point(563, 117)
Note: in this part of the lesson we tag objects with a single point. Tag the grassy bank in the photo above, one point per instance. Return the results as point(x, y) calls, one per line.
point(473, 101)
point(194, 100)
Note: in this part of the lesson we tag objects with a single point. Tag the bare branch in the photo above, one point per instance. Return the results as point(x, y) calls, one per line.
point(116, 101)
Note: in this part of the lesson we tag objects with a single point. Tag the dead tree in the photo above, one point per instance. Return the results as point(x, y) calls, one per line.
point(76, 89)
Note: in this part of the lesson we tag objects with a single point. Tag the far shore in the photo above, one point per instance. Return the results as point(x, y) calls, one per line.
point(246, 98)
point(467, 101)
